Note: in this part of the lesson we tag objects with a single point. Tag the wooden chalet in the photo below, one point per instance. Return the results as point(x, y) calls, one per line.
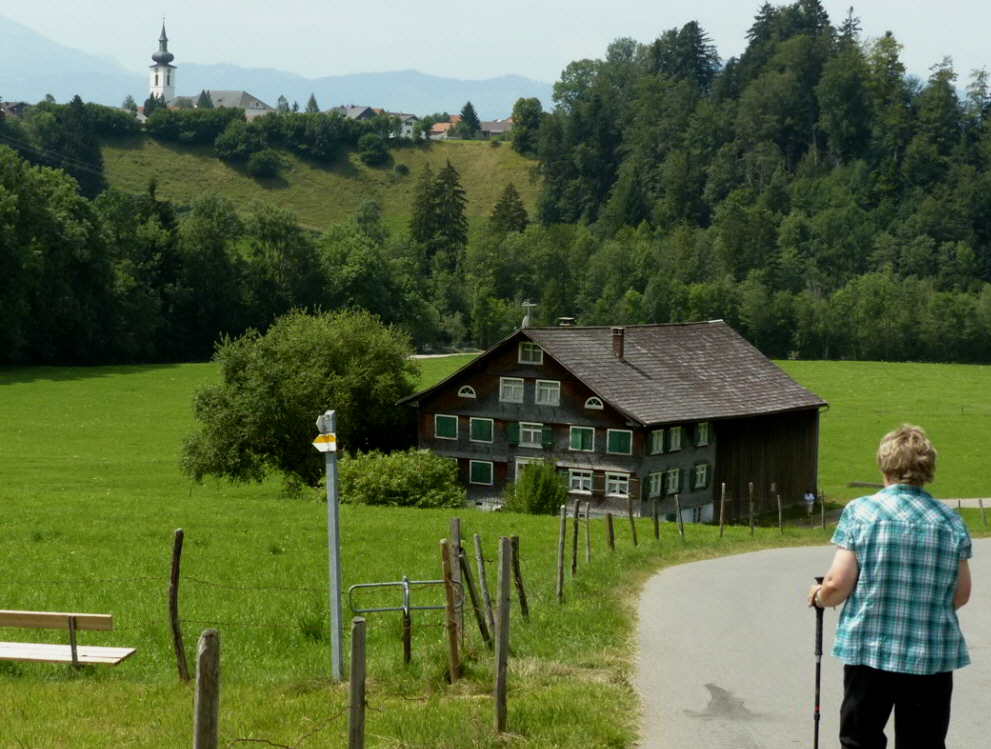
point(647, 411)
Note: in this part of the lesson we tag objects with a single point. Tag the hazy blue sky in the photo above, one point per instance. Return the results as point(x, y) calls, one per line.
point(534, 38)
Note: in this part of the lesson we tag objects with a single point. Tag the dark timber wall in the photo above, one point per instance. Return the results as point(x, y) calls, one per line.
point(781, 449)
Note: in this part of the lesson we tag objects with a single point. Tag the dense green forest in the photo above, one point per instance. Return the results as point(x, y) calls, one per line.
point(810, 192)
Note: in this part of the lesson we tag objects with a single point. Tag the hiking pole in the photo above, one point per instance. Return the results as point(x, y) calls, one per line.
point(819, 610)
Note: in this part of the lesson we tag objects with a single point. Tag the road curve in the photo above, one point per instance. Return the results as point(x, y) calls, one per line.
point(726, 658)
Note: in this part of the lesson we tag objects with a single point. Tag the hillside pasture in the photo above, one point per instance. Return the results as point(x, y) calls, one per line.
point(320, 196)
point(92, 495)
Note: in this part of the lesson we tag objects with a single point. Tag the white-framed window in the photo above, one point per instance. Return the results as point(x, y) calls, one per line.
point(672, 481)
point(480, 430)
point(480, 472)
point(657, 442)
point(466, 391)
point(655, 484)
point(701, 476)
point(582, 439)
point(530, 434)
point(548, 392)
point(619, 441)
point(445, 427)
point(618, 484)
point(580, 481)
point(530, 353)
point(511, 389)
point(594, 403)
point(702, 434)
point(674, 438)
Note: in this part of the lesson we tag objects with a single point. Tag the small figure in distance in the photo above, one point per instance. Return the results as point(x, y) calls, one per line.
point(810, 502)
point(901, 566)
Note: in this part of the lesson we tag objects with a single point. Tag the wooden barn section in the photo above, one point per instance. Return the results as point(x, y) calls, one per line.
point(779, 453)
point(646, 412)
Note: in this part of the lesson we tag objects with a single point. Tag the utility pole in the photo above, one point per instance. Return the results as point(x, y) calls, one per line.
point(327, 444)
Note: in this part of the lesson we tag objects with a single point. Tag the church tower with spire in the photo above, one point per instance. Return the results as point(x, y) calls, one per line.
point(162, 72)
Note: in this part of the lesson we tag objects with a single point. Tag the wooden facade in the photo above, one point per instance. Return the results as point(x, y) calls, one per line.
point(621, 418)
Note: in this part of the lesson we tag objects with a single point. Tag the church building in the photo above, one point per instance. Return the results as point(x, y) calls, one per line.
point(162, 85)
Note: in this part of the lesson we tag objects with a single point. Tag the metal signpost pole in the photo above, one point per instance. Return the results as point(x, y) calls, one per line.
point(327, 444)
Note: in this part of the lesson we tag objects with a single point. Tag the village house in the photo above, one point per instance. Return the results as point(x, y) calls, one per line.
point(645, 412)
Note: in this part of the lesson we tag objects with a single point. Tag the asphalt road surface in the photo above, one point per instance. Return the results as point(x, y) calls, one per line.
point(727, 655)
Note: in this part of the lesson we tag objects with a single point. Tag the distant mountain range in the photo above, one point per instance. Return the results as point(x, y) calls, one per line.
point(32, 66)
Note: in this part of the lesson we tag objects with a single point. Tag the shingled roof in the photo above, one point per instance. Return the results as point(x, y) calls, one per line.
point(671, 373)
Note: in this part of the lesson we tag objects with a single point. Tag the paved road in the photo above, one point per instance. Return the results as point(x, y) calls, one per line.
point(726, 655)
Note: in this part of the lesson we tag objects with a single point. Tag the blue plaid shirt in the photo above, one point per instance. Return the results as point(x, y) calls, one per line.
point(900, 615)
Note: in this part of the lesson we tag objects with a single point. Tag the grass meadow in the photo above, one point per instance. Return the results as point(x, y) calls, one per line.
point(91, 495)
point(304, 187)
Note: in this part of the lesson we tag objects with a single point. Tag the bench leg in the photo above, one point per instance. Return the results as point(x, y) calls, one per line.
point(72, 641)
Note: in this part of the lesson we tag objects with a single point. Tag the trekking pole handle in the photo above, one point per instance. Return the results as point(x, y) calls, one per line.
point(819, 611)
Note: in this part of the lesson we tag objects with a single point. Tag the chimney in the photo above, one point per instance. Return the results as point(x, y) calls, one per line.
point(566, 322)
point(617, 343)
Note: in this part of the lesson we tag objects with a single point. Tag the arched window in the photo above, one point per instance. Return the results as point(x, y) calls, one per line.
point(466, 392)
point(594, 402)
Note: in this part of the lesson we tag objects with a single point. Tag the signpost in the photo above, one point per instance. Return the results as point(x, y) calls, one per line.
point(327, 444)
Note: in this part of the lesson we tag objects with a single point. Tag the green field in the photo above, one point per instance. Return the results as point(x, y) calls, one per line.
point(91, 496)
point(320, 196)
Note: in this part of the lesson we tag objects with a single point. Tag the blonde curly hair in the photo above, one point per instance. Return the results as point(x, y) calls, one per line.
point(906, 456)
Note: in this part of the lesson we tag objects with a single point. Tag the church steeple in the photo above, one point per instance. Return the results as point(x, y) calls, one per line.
point(162, 81)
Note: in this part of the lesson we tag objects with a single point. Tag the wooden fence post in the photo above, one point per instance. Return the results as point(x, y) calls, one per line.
point(483, 582)
point(454, 525)
point(206, 703)
point(407, 638)
point(588, 534)
point(560, 553)
point(173, 601)
point(452, 622)
point(502, 636)
point(356, 708)
point(984, 518)
point(633, 524)
point(822, 508)
point(655, 516)
point(751, 508)
point(574, 539)
point(514, 546)
point(476, 604)
point(610, 536)
point(722, 509)
point(677, 509)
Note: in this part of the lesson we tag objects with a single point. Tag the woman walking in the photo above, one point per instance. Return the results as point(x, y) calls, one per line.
point(901, 567)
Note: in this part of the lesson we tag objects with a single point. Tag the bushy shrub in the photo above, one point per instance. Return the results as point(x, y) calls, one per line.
point(192, 126)
point(372, 149)
point(410, 478)
point(541, 490)
point(264, 164)
point(401, 169)
point(238, 141)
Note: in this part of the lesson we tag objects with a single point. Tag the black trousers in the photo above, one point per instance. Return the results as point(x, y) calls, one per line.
point(921, 704)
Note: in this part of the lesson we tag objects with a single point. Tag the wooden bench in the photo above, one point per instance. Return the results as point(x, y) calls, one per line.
point(71, 653)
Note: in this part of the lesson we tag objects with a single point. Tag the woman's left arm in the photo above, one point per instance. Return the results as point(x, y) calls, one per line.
point(839, 581)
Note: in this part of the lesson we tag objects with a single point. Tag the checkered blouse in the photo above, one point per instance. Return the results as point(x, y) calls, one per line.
point(900, 615)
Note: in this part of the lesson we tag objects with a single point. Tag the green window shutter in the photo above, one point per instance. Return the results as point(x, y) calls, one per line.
point(576, 439)
point(513, 433)
point(546, 436)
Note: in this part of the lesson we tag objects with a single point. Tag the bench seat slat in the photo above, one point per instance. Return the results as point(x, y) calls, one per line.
point(55, 620)
point(37, 652)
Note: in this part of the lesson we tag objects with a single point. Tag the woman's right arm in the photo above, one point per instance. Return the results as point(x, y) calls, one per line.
point(962, 594)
